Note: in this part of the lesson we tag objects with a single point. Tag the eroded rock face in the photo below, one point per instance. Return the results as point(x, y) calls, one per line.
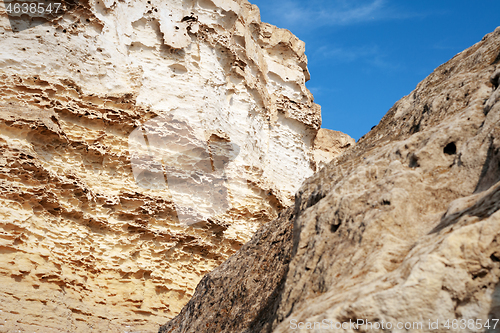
point(118, 122)
point(403, 228)
point(329, 144)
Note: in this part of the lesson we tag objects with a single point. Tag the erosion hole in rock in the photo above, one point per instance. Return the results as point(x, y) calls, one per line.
point(450, 149)
point(334, 228)
point(189, 18)
point(413, 162)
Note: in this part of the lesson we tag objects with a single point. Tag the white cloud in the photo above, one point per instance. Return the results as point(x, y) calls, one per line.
point(346, 54)
point(369, 54)
point(318, 13)
point(361, 13)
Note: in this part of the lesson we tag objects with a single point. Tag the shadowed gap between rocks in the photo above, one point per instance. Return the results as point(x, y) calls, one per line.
point(264, 320)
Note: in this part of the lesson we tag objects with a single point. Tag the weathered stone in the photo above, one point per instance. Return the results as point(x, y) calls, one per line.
point(402, 228)
point(329, 144)
point(86, 241)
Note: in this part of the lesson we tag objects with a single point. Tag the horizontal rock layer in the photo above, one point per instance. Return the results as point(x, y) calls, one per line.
point(141, 144)
point(328, 144)
point(403, 228)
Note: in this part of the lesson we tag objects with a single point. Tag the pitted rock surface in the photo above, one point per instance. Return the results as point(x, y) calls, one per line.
point(86, 244)
point(402, 228)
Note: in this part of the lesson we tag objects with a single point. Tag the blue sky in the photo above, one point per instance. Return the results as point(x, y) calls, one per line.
point(364, 55)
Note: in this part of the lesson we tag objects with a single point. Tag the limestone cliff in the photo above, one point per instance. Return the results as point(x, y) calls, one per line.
point(402, 229)
point(141, 144)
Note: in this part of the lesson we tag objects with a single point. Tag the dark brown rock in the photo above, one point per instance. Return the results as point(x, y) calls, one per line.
point(241, 295)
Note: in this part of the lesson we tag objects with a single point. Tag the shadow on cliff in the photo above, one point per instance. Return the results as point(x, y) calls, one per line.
point(44, 12)
point(263, 322)
point(494, 311)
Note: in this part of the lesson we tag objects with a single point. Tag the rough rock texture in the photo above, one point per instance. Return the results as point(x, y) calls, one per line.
point(329, 144)
point(250, 291)
point(84, 245)
point(403, 228)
